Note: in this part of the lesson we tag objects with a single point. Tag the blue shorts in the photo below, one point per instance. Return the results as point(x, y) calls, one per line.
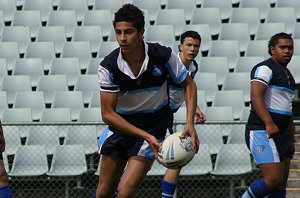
point(124, 146)
point(269, 150)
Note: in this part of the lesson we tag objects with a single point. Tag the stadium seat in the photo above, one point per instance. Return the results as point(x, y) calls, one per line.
point(50, 84)
point(296, 31)
point(3, 69)
point(187, 5)
point(3, 102)
point(153, 7)
point(43, 135)
point(33, 100)
point(290, 3)
point(30, 160)
point(233, 98)
point(173, 17)
point(45, 7)
point(257, 48)
point(16, 115)
point(220, 113)
point(56, 115)
point(201, 163)
point(112, 5)
point(10, 52)
point(283, 15)
point(55, 34)
point(224, 5)
point(204, 31)
point(201, 99)
point(238, 81)
point(1, 21)
point(95, 100)
point(32, 67)
point(69, 99)
point(262, 5)
point(246, 63)
point(106, 48)
point(29, 18)
point(66, 66)
point(93, 34)
point(245, 113)
point(229, 32)
point(246, 15)
point(91, 114)
point(87, 84)
point(163, 33)
point(294, 68)
point(13, 84)
point(93, 65)
point(237, 135)
point(17, 34)
point(266, 30)
point(226, 48)
point(5, 161)
point(208, 83)
point(44, 50)
point(12, 139)
point(157, 169)
point(66, 18)
point(80, 7)
point(8, 8)
point(217, 65)
point(100, 18)
point(78, 49)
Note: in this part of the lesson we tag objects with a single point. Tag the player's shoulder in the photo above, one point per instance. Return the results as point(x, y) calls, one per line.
point(111, 59)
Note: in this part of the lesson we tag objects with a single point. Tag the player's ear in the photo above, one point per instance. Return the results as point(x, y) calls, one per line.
point(141, 33)
point(180, 47)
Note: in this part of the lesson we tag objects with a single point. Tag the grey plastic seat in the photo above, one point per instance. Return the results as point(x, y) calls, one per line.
point(163, 33)
point(17, 34)
point(153, 7)
point(91, 114)
point(209, 16)
point(245, 113)
point(56, 115)
point(233, 98)
point(50, 84)
point(238, 81)
point(224, 5)
point(220, 113)
point(293, 67)
point(44, 135)
point(112, 5)
point(12, 139)
point(201, 164)
point(29, 18)
point(106, 48)
point(237, 135)
point(266, 30)
point(45, 7)
point(204, 31)
point(66, 66)
point(13, 84)
point(1, 20)
point(285, 15)
point(173, 17)
point(257, 48)
point(3, 102)
point(87, 84)
point(217, 65)
point(8, 8)
point(33, 100)
point(32, 67)
point(79, 49)
point(187, 5)
point(290, 4)
point(17, 115)
point(80, 6)
point(246, 63)
point(262, 5)
point(30, 160)
point(93, 65)
point(208, 83)
point(55, 34)
point(95, 100)
point(69, 99)
point(3, 69)
point(10, 52)
point(5, 162)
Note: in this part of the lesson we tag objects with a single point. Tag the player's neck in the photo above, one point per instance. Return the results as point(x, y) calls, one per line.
point(135, 60)
point(185, 61)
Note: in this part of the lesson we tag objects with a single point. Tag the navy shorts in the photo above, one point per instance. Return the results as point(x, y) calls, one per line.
point(269, 150)
point(1, 157)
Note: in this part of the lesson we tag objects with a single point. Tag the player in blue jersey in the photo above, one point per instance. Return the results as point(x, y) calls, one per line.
point(189, 47)
point(5, 190)
point(270, 130)
point(135, 104)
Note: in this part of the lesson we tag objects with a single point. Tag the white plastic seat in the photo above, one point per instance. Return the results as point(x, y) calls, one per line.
point(29, 18)
point(238, 81)
point(246, 15)
point(290, 4)
point(91, 114)
point(43, 135)
point(55, 34)
point(3, 102)
point(266, 30)
point(106, 48)
point(221, 113)
point(45, 7)
point(245, 113)
point(30, 160)
point(1, 20)
point(10, 52)
point(13, 84)
point(87, 84)
point(95, 100)
point(80, 6)
point(3, 69)
point(283, 15)
point(226, 48)
point(262, 5)
point(93, 34)
point(66, 66)
point(50, 84)
point(237, 135)
point(5, 162)
point(173, 17)
point(163, 33)
point(33, 100)
point(32, 67)
point(113, 5)
point(246, 63)
point(93, 65)
point(224, 5)
point(17, 34)
point(209, 16)
point(217, 65)
point(8, 8)
point(294, 68)
point(66, 18)
point(99, 17)
point(44, 50)
point(201, 99)
point(204, 31)
point(56, 115)
point(12, 139)
point(78, 49)
point(257, 48)
point(233, 98)
point(17, 115)
point(208, 83)
point(187, 5)
point(153, 7)
point(69, 99)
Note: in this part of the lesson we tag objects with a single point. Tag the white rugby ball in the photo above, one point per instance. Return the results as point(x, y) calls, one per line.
point(176, 151)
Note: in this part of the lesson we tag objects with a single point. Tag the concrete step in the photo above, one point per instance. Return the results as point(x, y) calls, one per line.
point(293, 192)
point(293, 182)
point(296, 155)
point(294, 173)
point(297, 137)
point(297, 146)
point(295, 164)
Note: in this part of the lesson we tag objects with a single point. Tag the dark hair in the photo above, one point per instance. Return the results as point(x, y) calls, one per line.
point(274, 40)
point(191, 34)
point(132, 14)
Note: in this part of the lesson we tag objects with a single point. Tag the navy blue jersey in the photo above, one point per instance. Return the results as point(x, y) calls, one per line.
point(143, 99)
point(278, 96)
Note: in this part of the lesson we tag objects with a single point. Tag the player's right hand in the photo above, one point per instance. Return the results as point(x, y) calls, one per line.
point(152, 141)
point(272, 129)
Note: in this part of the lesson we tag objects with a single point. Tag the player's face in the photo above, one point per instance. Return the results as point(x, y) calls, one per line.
point(190, 48)
point(128, 37)
point(283, 51)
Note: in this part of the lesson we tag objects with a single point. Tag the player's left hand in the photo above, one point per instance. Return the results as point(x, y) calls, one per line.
point(200, 116)
point(190, 130)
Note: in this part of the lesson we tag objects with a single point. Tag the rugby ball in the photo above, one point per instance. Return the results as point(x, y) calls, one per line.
point(176, 151)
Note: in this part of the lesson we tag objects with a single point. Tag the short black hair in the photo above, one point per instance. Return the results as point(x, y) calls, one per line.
point(274, 40)
point(130, 13)
point(190, 33)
